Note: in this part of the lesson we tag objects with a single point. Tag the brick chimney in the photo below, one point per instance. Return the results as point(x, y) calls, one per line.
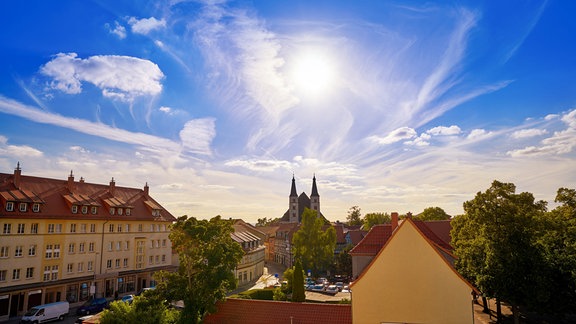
point(394, 220)
point(71, 181)
point(146, 190)
point(17, 174)
point(112, 186)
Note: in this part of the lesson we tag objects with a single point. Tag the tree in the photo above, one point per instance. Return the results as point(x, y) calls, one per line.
point(432, 213)
point(343, 261)
point(298, 293)
point(372, 219)
point(266, 222)
point(354, 216)
point(313, 245)
point(494, 245)
point(149, 308)
point(208, 256)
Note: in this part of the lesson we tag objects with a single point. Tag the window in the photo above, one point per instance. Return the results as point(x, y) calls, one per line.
point(128, 211)
point(125, 262)
point(10, 206)
point(18, 251)
point(80, 266)
point(92, 228)
point(72, 228)
point(29, 273)
point(16, 274)
point(119, 228)
point(151, 227)
point(54, 272)
point(70, 267)
point(117, 263)
point(36, 207)
point(139, 227)
point(157, 258)
point(127, 245)
point(3, 275)
point(90, 266)
point(150, 260)
point(34, 228)
point(118, 246)
point(94, 210)
point(71, 247)
point(109, 264)
point(58, 228)
point(48, 252)
point(32, 250)
point(74, 209)
point(120, 211)
point(151, 244)
point(158, 243)
point(56, 251)
point(23, 207)
point(91, 247)
point(111, 228)
point(4, 251)
point(21, 228)
point(111, 210)
point(84, 209)
point(81, 247)
point(163, 258)
point(50, 228)
point(7, 228)
point(82, 228)
point(164, 243)
point(109, 246)
point(127, 228)
point(46, 273)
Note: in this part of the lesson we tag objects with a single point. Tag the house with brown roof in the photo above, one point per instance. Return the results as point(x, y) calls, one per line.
point(69, 240)
point(251, 266)
point(412, 280)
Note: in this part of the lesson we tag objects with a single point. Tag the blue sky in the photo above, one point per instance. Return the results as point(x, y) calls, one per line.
point(393, 105)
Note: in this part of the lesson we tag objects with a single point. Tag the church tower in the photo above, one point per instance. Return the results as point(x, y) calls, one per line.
point(293, 204)
point(315, 197)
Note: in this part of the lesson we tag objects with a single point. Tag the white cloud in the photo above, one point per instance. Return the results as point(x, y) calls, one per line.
point(260, 164)
point(146, 25)
point(118, 30)
point(478, 134)
point(444, 131)
point(18, 151)
point(551, 116)
point(394, 136)
point(166, 110)
point(197, 135)
point(119, 77)
point(570, 119)
point(526, 133)
point(422, 140)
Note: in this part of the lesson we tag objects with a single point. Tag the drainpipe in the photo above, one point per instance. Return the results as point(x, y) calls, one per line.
point(102, 246)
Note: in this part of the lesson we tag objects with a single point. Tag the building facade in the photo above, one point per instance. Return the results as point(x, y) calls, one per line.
point(251, 266)
point(67, 240)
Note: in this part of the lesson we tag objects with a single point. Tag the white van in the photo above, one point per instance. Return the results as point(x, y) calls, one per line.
point(46, 312)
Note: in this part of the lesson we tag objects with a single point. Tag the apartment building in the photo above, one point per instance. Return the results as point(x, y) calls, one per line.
point(73, 240)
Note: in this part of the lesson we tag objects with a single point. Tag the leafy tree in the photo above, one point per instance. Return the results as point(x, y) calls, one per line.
point(354, 216)
point(279, 295)
point(432, 213)
point(372, 219)
point(266, 222)
point(494, 243)
point(343, 261)
point(208, 257)
point(149, 308)
point(313, 245)
point(298, 293)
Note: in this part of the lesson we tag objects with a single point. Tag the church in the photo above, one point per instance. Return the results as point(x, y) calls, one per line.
point(297, 204)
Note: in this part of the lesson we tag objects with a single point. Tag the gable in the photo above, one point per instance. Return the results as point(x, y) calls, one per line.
point(410, 271)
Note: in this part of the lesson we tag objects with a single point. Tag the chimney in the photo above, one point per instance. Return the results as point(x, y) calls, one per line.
point(112, 186)
point(146, 190)
point(17, 174)
point(394, 220)
point(81, 179)
point(409, 215)
point(71, 181)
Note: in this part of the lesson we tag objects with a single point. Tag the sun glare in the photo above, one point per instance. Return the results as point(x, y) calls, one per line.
point(313, 74)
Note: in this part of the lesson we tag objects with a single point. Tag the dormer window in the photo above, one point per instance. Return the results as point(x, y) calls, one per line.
point(119, 211)
point(112, 210)
point(74, 209)
point(10, 206)
point(156, 212)
point(94, 210)
point(84, 209)
point(36, 207)
point(128, 211)
point(23, 207)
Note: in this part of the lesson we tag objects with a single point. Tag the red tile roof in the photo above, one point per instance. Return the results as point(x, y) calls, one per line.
point(425, 228)
point(234, 311)
point(356, 236)
point(373, 241)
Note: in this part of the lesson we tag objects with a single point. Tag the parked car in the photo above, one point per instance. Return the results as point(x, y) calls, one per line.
point(46, 312)
point(332, 290)
point(346, 289)
point(318, 288)
point(340, 285)
point(92, 306)
point(128, 299)
point(144, 290)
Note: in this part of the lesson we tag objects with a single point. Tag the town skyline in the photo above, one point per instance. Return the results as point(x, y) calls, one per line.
point(394, 107)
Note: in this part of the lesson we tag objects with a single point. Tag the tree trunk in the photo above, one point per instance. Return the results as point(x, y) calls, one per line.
point(485, 304)
point(498, 311)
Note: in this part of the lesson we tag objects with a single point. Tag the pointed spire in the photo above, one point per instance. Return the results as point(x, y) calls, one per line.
point(314, 189)
point(293, 189)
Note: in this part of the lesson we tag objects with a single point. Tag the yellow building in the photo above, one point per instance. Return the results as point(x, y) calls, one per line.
point(251, 266)
point(411, 280)
point(72, 240)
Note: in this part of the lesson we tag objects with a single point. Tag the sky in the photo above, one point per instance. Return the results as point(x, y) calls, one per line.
point(216, 105)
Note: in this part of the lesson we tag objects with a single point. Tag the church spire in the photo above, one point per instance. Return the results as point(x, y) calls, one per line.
point(315, 197)
point(314, 189)
point(293, 192)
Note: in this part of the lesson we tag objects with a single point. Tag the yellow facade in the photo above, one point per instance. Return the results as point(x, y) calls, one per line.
point(410, 282)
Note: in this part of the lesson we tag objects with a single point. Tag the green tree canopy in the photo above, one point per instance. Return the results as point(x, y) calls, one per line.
point(354, 216)
point(313, 245)
point(494, 243)
point(266, 221)
point(372, 219)
point(149, 308)
point(208, 256)
point(298, 292)
point(432, 213)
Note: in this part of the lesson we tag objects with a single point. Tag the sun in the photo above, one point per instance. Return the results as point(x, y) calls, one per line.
point(313, 73)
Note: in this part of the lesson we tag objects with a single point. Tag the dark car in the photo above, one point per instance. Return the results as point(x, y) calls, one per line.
point(92, 306)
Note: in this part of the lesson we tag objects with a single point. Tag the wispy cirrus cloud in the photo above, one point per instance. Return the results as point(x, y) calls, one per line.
point(527, 133)
point(118, 77)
